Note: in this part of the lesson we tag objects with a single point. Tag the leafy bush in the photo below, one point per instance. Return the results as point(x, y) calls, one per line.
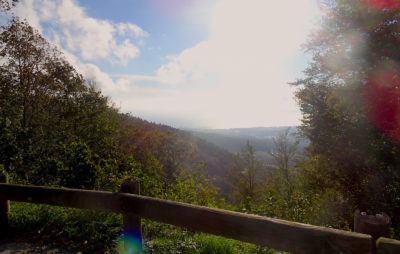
point(73, 229)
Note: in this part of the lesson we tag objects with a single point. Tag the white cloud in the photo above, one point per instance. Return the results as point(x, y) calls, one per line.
point(238, 76)
point(248, 38)
point(92, 39)
point(126, 51)
point(28, 12)
point(84, 39)
point(134, 77)
point(129, 28)
point(92, 72)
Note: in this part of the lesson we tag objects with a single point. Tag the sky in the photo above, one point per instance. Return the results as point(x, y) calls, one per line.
point(186, 63)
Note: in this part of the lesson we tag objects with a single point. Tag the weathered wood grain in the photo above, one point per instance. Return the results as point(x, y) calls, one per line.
point(273, 233)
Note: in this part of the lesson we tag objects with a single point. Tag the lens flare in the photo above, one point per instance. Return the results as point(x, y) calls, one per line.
point(384, 4)
point(382, 102)
point(130, 243)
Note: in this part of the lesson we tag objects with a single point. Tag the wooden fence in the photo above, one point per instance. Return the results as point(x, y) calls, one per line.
point(274, 233)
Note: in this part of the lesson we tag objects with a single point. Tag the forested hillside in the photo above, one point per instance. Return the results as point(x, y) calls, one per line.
point(196, 153)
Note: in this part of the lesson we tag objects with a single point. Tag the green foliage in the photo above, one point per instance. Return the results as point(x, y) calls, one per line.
point(45, 102)
point(71, 229)
point(279, 189)
point(151, 182)
point(78, 170)
point(353, 155)
point(194, 188)
point(216, 245)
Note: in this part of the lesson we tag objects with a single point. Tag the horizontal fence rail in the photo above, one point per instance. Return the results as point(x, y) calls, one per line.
point(387, 246)
point(274, 233)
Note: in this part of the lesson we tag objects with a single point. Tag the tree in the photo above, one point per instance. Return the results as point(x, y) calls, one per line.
point(245, 177)
point(78, 170)
point(193, 187)
point(284, 154)
point(6, 5)
point(30, 69)
point(44, 101)
point(350, 105)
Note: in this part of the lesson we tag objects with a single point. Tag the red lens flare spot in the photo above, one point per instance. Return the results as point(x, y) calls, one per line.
point(384, 4)
point(382, 102)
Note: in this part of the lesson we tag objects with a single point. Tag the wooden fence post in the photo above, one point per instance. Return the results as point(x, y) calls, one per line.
point(132, 223)
point(376, 226)
point(4, 208)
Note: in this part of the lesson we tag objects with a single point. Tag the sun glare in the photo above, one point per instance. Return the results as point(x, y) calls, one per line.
point(238, 76)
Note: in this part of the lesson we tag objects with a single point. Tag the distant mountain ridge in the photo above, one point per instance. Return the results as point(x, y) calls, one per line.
point(255, 132)
point(235, 139)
